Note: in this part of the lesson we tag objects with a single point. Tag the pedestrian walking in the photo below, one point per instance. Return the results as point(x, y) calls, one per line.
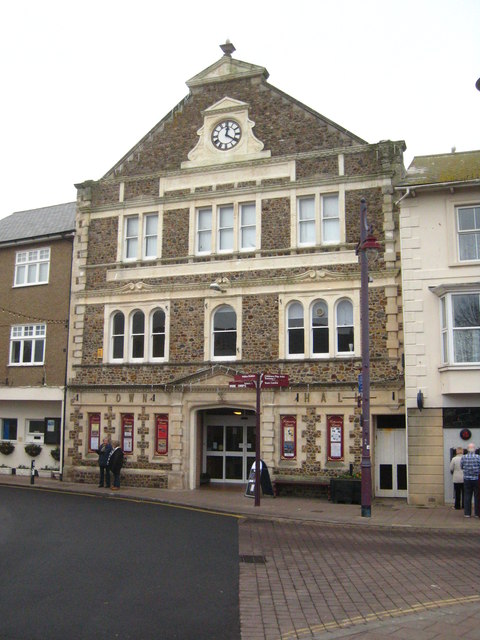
point(115, 462)
point(103, 454)
point(470, 463)
point(457, 477)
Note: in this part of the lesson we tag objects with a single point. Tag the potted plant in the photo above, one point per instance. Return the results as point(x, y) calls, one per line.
point(5, 471)
point(6, 447)
point(33, 449)
point(47, 471)
point(55, 453)
point(22, 470)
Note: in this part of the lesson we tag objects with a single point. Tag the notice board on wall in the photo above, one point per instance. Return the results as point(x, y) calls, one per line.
point(334, 438)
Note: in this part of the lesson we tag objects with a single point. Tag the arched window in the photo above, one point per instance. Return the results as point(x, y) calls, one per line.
point(320, 328)
point(224, 332)
point(137, 334)
point(345, 343)
point(118, 335)
point(158, 333)
point(296, 329)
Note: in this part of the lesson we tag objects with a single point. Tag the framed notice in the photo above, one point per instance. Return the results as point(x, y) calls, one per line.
point(52, 431)
point(161, 434)
point(93, 431)
point(127, 432)
point(288, 426)
point(334, 438)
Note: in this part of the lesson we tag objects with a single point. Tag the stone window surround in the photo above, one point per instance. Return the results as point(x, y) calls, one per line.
point(210, 307)
point(307, 301)
point(317, 193)
point(446, 330)
point(142, 214)
point(215, 207)
point(38, 261)
point(128, 309)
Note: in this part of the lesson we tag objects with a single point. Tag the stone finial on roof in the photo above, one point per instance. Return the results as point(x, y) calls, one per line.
point(227, 48)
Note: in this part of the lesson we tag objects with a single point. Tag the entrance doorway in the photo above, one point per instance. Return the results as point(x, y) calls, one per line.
point(390, 457)
point(228, 445)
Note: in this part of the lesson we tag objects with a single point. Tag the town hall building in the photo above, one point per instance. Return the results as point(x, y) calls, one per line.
point(224, 244)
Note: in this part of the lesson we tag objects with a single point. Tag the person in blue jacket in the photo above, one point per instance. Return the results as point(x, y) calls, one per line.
point(103, 454)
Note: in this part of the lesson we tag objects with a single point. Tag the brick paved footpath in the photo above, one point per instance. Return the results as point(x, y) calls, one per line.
point(327, 581)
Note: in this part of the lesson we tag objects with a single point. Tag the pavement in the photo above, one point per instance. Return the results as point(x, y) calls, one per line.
point(229, 499)
point(313, 569)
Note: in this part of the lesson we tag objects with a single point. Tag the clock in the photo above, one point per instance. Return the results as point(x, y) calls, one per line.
point(226, 135)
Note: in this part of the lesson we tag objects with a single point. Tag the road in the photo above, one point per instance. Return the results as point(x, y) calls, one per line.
point(84, 568)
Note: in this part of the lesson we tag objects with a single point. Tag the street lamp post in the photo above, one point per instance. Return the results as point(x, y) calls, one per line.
point(367, 241)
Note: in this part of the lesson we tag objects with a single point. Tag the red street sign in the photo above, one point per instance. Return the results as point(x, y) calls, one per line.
point(274, 380)
point(245, 377)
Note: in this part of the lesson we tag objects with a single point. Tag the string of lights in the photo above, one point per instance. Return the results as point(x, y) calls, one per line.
point(24, 316)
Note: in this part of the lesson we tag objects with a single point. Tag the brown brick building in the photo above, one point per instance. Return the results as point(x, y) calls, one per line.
point(35, 265)
point(224, 243)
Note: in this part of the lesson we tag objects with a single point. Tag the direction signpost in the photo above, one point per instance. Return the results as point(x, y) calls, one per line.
point(258, 381)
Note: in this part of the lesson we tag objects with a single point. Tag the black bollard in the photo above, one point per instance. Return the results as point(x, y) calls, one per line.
point(32, 472)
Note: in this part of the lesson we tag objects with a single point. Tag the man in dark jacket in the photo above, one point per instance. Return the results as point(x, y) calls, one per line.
point(115, 462)
point(103, 453)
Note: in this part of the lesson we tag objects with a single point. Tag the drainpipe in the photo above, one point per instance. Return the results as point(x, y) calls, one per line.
point(407, 193)
point(64, 412)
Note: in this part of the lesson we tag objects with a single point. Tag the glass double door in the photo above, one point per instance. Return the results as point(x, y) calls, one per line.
point(229, 451)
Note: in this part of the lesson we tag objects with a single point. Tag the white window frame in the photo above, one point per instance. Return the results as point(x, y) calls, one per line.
point(27, 333)
point(475, 231)
point(132, 336)
point(312, 329)
point(113, 335)
point(215, 229)
point(151, 335)
point(221, 228)
point(141, 236)
point(319, 219)
point(295, 356)
point(308, 301)
point(312, 221)
point(24, 260)
point(36, 437)
point(447, 319)
point(212, 333)
point(338, 326)
point(128, 311)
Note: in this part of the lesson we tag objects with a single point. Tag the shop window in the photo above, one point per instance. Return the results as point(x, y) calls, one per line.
point(35, 430)
point(9, 428)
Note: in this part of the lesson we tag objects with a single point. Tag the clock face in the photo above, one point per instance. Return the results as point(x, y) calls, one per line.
point(226, 135)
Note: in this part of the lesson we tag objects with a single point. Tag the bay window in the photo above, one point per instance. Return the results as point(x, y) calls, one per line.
point(460, 328)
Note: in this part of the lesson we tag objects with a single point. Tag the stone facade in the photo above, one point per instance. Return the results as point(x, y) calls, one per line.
point(286, 151)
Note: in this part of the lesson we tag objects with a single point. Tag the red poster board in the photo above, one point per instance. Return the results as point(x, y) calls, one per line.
point(288, 426)
point(127, 433)
point(93, 431)
point(161, 434)
point(334, 438)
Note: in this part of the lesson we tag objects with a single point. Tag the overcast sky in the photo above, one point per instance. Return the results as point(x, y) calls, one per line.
point(84, 81)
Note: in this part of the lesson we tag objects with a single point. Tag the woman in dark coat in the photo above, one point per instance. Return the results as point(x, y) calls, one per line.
point(115, 462)
point(103, 454)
